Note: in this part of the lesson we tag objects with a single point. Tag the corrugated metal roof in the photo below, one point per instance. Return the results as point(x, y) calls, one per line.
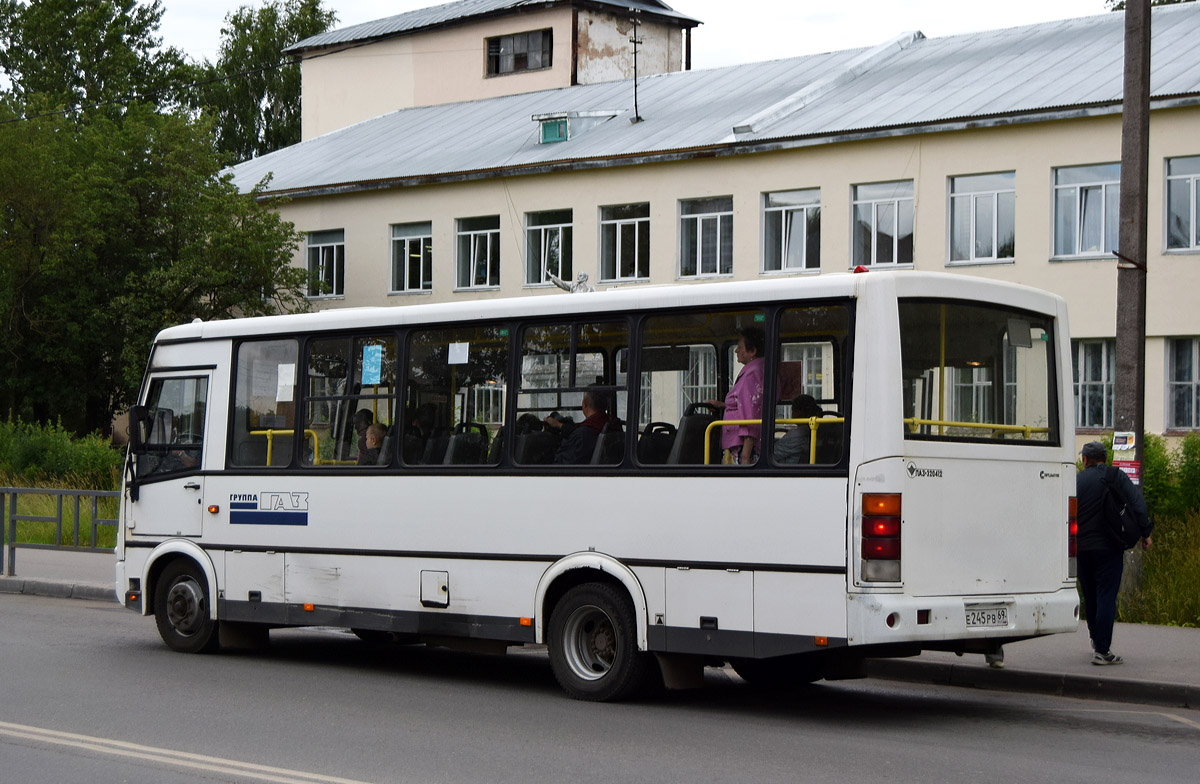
point(994, 76)
point(462, 10)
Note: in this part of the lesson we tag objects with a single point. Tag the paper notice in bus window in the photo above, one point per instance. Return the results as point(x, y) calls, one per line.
point(458, 353)
point(287, 378)
point(372, 364)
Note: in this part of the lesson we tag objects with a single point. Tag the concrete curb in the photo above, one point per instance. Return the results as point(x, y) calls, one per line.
point(1172, 695)
point(58, 589)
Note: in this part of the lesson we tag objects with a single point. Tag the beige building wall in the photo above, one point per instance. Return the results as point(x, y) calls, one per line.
point(449, 65)
point(1031, 151)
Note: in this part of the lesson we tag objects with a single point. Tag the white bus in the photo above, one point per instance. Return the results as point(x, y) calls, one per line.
point(391, 471)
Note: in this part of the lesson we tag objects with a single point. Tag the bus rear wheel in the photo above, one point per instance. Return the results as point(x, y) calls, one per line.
point(593, 644)
point(181, 609)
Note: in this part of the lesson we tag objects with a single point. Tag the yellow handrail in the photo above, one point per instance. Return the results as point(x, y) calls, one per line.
point(914, 424)
point(270, 434)
point(812, 422)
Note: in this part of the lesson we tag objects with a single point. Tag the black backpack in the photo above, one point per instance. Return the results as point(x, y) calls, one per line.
point(1117, 514)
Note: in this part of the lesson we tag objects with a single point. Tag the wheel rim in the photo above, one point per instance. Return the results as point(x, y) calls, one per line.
point(185, 606)
point(590, 639)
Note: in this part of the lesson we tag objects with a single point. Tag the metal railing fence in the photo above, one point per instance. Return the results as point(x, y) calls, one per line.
point(9, 517)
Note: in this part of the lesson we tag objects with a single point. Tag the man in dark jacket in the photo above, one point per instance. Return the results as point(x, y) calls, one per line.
point(1101, 556)
point(579, 439)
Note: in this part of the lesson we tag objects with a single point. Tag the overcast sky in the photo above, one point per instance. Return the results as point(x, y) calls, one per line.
point(732, 31)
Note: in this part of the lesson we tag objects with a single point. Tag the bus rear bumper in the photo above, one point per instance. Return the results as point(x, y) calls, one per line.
point(975, 621)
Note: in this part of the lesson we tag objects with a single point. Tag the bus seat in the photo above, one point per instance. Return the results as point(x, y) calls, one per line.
point(688, 446)
point(467, 445)
point(496, 450)
point(535, 448)
point(610, 445)
point(654, 444)
point(435, 447)
point(385, 450)
point(829, 440)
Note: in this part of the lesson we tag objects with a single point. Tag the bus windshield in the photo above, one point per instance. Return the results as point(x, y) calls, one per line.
point(977, 372)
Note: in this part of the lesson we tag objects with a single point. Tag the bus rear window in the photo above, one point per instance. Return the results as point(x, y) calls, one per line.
point(977, 373)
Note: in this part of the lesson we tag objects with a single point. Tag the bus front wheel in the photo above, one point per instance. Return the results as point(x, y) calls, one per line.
point(181, 609)
point(593, 644)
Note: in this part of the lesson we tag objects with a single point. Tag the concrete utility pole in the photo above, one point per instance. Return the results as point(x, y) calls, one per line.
point(1130, 389)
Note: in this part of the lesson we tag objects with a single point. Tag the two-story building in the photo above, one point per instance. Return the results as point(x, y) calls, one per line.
point(468, 150)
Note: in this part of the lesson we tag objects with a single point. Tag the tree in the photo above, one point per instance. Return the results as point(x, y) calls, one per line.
point(75, 53)
point(115, 220)
point(254, 96)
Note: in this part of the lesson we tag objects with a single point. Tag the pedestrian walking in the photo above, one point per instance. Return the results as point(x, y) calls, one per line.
point(1101, 555)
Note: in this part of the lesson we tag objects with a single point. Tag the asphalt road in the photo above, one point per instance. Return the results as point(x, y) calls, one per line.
point(88, 693)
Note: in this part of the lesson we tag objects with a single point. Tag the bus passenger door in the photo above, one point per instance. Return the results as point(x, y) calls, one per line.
point(167, 444)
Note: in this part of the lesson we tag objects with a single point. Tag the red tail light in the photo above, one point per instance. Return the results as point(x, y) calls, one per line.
point(1072, 536)
point(880, 545)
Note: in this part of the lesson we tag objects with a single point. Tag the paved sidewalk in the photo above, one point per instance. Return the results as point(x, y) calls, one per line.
point(1162, 663)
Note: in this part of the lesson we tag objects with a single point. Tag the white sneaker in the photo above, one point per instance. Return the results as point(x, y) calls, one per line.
point(1106, 658)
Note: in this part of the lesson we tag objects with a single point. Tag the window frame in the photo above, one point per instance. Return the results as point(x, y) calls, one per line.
point(973, 197)
point(1107, 189)
point(322, 241)
point(491, 258)
point(425, 244)
point(1193, 206)
point(723, 219)
point(811, 212)
point(897, 202)
point(1106, 385)
point(493, 62)
point(1191, 384)
point(638, 224)
point(566, 240)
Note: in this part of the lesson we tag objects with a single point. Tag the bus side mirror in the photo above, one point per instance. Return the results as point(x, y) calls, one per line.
point(139, 423)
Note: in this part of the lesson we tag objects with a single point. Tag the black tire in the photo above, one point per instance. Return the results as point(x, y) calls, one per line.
point(593, 644)
point(782, 671)
point(181, 609)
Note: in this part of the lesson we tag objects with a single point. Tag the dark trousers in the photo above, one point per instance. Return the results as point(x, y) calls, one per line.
point(1100, 577)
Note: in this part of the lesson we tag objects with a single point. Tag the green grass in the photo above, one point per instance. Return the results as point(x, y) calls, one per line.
point(1169, 590)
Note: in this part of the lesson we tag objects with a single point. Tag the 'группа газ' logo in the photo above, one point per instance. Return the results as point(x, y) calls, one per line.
point(268, 508)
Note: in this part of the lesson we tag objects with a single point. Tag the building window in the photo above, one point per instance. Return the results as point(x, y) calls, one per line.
point(547, 246)
point(706, 237)
point(625, 243)
point(327, 263)
point(1085, 209)
point(412, 257)
point(792, 230)
point(883, 223)
point(1184, 361)
point(529, 51)
point(1094, 364)
point(1183, 203)
point(479, 252)
point(983, 224)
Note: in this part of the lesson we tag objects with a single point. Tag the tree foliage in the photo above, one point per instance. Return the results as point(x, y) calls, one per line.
point(255, 100)
point(115, 219)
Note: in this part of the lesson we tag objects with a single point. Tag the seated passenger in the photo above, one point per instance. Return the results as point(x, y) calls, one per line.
point(579, 439)
point(373, 439)
point(361, 420)
point(795, 446)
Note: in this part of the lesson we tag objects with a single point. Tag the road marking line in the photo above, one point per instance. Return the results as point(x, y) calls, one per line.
point(169, 756)
point(1193, 724)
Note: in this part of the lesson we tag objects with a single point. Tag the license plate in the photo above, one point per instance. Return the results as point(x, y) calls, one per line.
point(987, 616)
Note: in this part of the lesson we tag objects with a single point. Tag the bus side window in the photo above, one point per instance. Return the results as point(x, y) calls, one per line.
point(684, 384)
point(349, 401)
point(264, 408)
point(561, 364)
point(454, 395)
point(809, 389)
